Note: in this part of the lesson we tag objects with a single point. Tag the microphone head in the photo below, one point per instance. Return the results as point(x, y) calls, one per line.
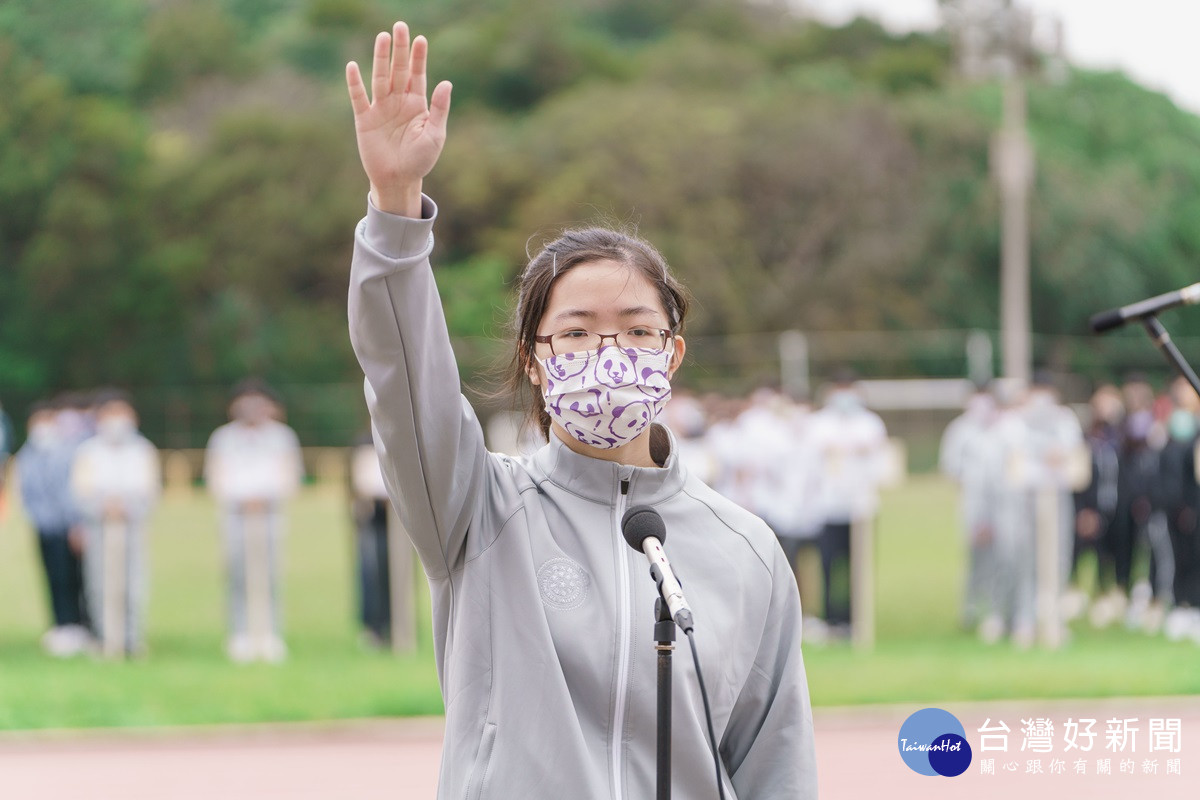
point(640, 523)
point(1106, 320)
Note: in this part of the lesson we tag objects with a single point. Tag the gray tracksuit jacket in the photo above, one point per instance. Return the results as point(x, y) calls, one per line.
point(543, 616)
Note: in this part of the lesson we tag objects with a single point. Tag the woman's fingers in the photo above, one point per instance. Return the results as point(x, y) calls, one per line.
point(381, 76)
point(399, 66)
point(359, 101)
point(439, 106)
point(420, 56)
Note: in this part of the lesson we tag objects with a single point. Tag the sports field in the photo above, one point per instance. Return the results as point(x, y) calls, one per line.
point(920, 657)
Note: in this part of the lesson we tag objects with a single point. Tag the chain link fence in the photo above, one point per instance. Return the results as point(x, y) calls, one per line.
point(334, 414)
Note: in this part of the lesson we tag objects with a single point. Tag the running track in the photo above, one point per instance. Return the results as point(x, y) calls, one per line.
point(856, 756)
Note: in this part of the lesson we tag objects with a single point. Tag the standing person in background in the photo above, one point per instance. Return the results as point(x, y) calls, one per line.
point(252, 465)
point(798, 518)
point(1161, 576)
point(1042, 451)
point(966, 452)
point(369, 505)
point(782, 470)
point(852, 445)
point(76, 416)
point(7, 444)
point(1013, 566)
point(44, 470)
point(1057, 465)
point(686, 415)
point(1137, 476)
point(1180, 500)
point(1095, 509)
point(731, 461)
point(115, 482)
point(753, 448)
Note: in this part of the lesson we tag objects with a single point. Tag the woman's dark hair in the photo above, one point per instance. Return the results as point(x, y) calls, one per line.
point(572, 248)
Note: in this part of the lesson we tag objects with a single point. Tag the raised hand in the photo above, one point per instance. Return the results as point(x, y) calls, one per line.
point(400, 136)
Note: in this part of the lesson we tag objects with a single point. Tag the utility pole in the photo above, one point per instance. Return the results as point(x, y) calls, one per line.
point(1012, 166)
point(995, 39)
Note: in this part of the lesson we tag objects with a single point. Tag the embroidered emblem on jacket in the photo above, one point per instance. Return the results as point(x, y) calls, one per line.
point(563, 584)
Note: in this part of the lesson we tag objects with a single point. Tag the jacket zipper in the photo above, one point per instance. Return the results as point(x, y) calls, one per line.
point(623, 638)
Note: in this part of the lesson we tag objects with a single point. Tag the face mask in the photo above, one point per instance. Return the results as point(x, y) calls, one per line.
point(844, 401)
point(1041, 400)
point(252, 409)
point(981, 407)
point(606, 397)
point(73, 424)
point(1181, 425)
point(115, 429)
point(43, 436)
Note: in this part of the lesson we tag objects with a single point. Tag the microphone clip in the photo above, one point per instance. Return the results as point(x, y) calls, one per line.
point(664, 626)
point(661, 607)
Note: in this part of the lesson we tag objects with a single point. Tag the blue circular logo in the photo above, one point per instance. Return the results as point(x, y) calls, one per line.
point(933, 742)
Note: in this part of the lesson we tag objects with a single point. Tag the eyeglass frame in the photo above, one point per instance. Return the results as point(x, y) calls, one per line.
point(667, 334)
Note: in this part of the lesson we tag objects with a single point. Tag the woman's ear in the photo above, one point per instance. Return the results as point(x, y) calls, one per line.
point(677, 356)
point(533, 370)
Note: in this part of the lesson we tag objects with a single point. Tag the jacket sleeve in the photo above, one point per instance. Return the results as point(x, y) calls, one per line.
point(768, 745)
point(430, 444)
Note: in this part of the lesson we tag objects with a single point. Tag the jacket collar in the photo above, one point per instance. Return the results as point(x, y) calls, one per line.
point(600, 481)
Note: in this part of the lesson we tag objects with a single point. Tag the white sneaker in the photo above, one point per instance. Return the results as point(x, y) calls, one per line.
point(274, 650)
point(1072, 605)
point(240, 649)
point(1139, 602)
point(1100, 614)
point(77, 639)
point(1178, 624)
point(1107, 609)
point(814, 631)
point(1023, 637)
point(991, 629)
point(1194, 624)
point(57, 642)
point(1152, 618)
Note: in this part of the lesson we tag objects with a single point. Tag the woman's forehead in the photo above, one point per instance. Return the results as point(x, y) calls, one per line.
point(603, 289)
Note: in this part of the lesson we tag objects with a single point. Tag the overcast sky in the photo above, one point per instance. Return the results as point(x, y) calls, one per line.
point(1155, 42)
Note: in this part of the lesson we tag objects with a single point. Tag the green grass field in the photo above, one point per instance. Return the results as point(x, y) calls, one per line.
point(920, 657)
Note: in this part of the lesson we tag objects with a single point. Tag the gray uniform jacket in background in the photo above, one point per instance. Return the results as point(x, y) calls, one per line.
point(542, 614)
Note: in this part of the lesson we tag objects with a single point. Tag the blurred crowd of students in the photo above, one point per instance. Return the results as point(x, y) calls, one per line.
point(1119, 492)
point(1114, 495)
point(88, 481)
point(812, 472)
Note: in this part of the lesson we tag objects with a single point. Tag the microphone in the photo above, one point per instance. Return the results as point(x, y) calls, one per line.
point(1116, 317)
point(645, 531)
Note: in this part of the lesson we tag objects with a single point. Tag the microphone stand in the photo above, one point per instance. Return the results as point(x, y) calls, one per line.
point(664, 635)
point(1162, 340)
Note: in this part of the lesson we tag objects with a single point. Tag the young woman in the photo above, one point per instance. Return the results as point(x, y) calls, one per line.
point(543, 615)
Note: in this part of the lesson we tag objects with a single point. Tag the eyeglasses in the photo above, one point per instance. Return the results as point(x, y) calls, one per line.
point(581, 341)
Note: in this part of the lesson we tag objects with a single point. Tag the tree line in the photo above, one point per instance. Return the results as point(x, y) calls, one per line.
point(178, 180)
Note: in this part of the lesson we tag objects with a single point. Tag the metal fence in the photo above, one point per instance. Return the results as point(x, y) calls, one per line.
point(334, 414)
